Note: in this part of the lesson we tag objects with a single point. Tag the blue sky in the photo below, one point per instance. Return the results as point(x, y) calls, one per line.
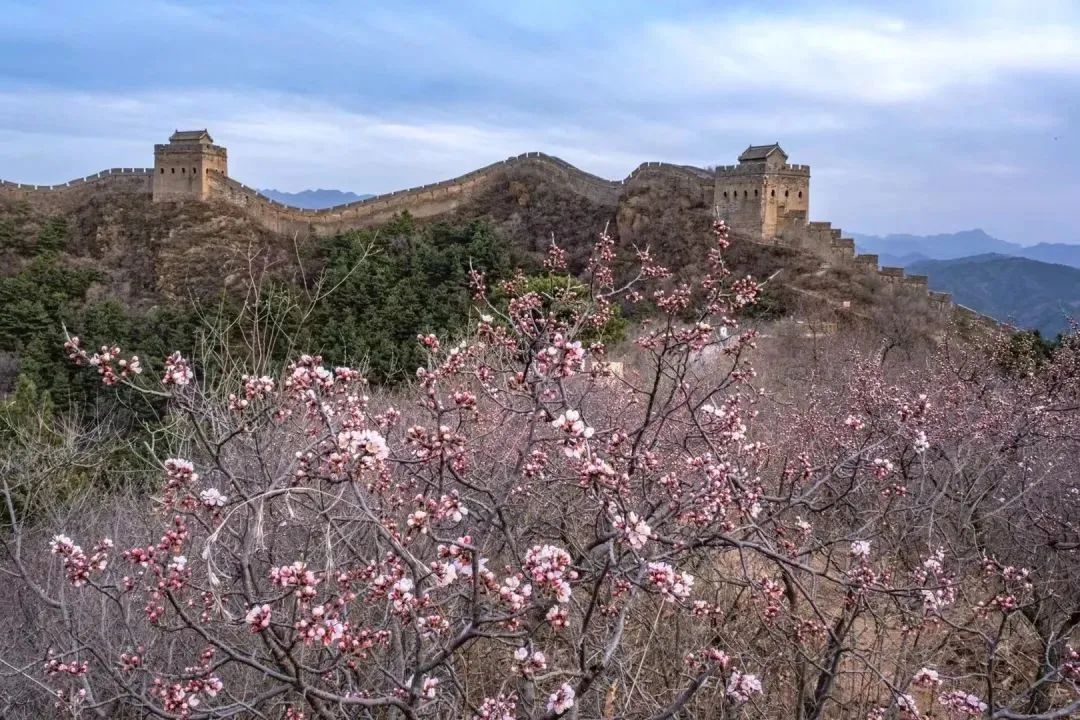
point(915, 117)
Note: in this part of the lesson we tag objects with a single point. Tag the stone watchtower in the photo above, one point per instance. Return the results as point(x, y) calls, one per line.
point(182, 168)
point(763, 195)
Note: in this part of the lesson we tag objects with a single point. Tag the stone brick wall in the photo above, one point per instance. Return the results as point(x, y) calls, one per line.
point(767, 204)
point(443, 197)
point(113, 180)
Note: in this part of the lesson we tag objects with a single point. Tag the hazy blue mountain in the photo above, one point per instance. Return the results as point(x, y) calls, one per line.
point(1027, 293)
point(314, 199)
point(1059, 253)
point(900, 249)
point(936, 247)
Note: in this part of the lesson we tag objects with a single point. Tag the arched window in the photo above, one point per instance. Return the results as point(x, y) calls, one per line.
point(725, 193)
point(800, 193)
point(194, 171)
point(772, 193)
point(745, 193)
point(172, 170)
point(162, 171)
point(755, 192)
point(786, 193)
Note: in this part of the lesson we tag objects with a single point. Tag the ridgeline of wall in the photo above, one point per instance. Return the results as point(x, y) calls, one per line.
point(443, 197)
point(440, 198)
point(113, 180)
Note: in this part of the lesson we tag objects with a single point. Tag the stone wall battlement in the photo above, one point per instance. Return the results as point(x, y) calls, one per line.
point(762, 198)
point(749, 169)
point(104, 174)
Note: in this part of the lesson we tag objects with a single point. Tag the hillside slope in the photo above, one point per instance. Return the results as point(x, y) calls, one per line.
point(1027, 293)
point(117, 265)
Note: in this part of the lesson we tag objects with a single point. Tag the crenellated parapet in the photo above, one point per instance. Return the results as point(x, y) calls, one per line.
point(103, 175)
point(763, 197)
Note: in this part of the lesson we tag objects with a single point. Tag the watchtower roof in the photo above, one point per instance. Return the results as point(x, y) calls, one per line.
point(761, 152)
point(188, 136)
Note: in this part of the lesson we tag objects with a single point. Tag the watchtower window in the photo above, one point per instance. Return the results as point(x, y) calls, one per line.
point(162, 171)
point(194, 171)
point(755, 192)
point(772, 193)
point(172, 170)
point(786, 193)
point(800, 193)
point(725, 193)
point(745, 193)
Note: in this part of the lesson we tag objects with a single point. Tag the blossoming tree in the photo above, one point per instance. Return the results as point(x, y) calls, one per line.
point(534, 532)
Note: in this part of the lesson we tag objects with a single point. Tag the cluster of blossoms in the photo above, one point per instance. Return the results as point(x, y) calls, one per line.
point(635, 531)
point(297, 577)
point(181, 698)
point(941, 592)
point(1070, 668)
point(861, 574)
point(562, 359)
point(74, 668)
point(367, 446)
point(177, 371)
point(742, 686)
point(254, 388)
point(672, 585)
point(180, 476)
point(549, 568)
point(528, 663)
point(962, 705)
point(576, 432)
point(258, 617)
point(212, 499)
point(110, 366)
point(77, 564)
point(926, 678)
point(497, 708)
point(561, 700)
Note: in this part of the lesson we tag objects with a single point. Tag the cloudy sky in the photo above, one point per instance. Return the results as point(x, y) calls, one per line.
point(914, 117)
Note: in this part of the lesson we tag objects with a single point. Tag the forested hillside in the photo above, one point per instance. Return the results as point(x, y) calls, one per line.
point(1027, 293)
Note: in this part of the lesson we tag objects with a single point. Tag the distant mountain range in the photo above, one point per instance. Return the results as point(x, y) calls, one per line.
point(903, 250)
point(314, 199)
point(1032, 287)
point(1027, 293)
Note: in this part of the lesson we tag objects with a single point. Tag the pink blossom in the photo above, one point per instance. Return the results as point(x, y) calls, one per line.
point(561, 700)
point(527, 663)
point(177, 371)
point(671, 584)
point(258, 618)
point(212, 498)
point(635, 531)
point(860, 549)
point(497, 708)
point(549, 568)
point(926, 677)
point(960, 704)
point(742, 686)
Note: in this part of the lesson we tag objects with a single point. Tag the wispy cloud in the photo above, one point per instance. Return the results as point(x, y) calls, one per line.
point(914, 116)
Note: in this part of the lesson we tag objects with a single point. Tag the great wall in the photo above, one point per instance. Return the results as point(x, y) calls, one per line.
point(763, 198)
